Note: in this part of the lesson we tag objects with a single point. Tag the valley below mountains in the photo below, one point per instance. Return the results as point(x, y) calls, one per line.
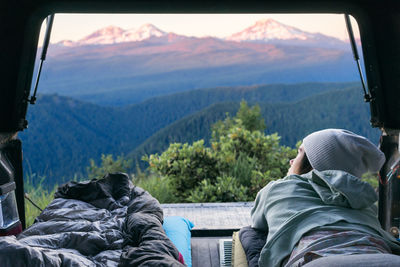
point(133, 92)
point(64, 133)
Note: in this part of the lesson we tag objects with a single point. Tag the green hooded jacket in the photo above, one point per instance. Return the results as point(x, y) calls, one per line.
point(290, 207)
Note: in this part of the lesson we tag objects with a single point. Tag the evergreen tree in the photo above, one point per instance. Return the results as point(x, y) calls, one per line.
point(241, 160)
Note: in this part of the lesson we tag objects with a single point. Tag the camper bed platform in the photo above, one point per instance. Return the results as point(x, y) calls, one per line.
point(213, 222)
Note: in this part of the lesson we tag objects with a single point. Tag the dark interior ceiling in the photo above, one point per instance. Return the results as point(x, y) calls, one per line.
point(379, 23)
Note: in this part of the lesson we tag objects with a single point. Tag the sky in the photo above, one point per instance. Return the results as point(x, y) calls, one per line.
point(76, 26)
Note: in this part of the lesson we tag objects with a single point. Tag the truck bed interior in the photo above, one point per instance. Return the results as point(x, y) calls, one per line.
point(379, 24)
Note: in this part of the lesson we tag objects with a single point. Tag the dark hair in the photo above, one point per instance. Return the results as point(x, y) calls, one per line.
point(305, 165)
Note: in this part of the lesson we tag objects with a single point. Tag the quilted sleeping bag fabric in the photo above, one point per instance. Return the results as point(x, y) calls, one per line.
point(104, 222)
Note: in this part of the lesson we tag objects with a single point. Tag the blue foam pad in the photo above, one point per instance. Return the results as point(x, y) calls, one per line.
point(178, 230)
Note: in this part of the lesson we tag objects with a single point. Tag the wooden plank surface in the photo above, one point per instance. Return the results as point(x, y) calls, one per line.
point(232, 215)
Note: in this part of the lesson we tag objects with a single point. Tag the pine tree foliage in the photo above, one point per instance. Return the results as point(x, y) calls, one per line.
point(240, 161)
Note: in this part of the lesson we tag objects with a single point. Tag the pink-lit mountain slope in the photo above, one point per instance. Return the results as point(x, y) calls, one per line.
point(272, 31)
point(264, 31)
point(114, 35)
point(116, 66)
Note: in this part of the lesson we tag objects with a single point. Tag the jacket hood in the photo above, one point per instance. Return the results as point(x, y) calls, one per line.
point(340, 188)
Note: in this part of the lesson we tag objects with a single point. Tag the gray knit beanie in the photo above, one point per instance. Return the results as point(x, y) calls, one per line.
point(337, 149)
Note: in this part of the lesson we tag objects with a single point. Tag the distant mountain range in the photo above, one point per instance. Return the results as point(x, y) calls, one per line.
point(65, 133)
point(266, 30)
point(134, 91)
point(118, 67)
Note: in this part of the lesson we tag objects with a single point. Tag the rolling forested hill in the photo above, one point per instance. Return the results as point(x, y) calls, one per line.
point(64, 133)
point(293, 121)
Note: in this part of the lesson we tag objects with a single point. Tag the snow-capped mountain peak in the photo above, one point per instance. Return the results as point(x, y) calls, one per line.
point(110, 30)
point(143, 32)
point(107, 35)
point(113, 35)
point(269, 29)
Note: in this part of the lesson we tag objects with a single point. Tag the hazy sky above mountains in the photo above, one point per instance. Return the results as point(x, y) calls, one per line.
point(76, 26)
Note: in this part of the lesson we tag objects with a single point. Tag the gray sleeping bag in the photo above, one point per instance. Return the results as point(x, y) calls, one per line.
point(106, 222)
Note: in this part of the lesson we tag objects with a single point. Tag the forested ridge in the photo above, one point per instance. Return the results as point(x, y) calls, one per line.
point(64, 134)
point(337, 109)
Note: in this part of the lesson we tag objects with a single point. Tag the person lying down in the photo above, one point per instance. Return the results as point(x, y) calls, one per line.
point(322, 207)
